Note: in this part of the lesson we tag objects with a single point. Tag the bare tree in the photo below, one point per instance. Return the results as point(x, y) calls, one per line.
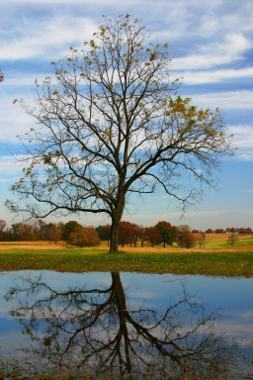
point(232, 239)
point(110, 125)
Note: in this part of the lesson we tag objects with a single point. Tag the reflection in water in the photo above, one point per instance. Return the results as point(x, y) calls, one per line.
point(98, 330)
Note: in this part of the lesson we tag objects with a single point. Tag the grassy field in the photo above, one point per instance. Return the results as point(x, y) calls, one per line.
point(216, 259)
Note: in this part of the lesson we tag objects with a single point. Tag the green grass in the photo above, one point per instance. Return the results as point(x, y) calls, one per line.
point(231, 263)
point(223, 243)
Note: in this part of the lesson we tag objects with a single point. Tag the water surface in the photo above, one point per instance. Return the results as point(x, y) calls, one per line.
point(127, 323)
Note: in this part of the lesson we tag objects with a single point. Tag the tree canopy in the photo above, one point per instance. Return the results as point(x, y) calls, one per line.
point(110, 125)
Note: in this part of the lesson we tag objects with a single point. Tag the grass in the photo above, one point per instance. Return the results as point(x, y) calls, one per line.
point(213, 263)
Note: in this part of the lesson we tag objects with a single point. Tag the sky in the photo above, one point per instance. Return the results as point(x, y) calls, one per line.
point(212, 48)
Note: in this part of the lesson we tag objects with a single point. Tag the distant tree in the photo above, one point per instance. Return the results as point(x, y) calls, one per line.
point(227, 230)
point(104, 232)
point(232, 230)
point(1, 76)
point(249, 231)
point(242, 231)
point(137, 233)
point(110, 125)
point(53, 233)
point(25, 232)
point(3, 224)
point(209, 231)
point(69, 227)
point(152, 235)
point(14, 231)
point(168, 232)
point(232, 239)
point(219, 231)
point(195, 231)
point(185, 238)
point(201, 239)
point(126, 233)
point(84, 237)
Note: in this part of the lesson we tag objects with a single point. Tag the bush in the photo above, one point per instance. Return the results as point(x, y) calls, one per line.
point(83, 237)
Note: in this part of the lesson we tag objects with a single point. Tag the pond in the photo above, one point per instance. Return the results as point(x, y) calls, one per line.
point(137, 325)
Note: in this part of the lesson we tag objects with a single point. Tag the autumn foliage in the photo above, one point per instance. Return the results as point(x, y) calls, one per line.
point(186, 239)
point(84, 237)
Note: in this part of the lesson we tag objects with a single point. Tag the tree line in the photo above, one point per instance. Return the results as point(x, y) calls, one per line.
point(232, 230)
point(74, 234)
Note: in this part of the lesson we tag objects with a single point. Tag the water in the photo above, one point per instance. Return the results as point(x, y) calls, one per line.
point(127, 323)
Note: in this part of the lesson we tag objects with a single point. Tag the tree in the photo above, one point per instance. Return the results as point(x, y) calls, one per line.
point(152, 235)
point(69, 227)
point(167, 232)
point(52, 233)
point(209, 231)
point(232, 239)
point(201, 239)
point(126, 233)
point(104, 232)
point(219, 231)
point(84, 237)
point(109, 126)
point(249, 230)
point(2, 227)
point(1, 76)
point(185, 238)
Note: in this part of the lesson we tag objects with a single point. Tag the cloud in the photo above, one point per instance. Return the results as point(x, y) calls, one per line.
point(14, 120)
point(201, 77)
point(51, 40)
point(214, 54)
point(225, 100)
point(243, 140)
point(248, 191)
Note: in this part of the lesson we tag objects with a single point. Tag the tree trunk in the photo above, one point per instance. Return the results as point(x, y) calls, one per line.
point(116, 218)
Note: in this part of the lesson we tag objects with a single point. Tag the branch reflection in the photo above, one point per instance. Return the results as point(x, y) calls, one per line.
point(99, 330)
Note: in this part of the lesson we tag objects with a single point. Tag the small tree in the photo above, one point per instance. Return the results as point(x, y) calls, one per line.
point(126, 233)
point(109, 126)
point(153, 236)
point(167, 232)
point(83, 237)
point(232, 239)
point(52, 233)
point(69, 227)
point(185, 238)
point(3, 224)
point(201, 239)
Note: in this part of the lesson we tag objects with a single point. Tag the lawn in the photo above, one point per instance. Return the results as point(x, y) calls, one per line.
point(217, 259)
point(216, 263)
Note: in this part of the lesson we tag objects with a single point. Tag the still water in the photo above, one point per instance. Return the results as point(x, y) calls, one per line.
point(127, 323)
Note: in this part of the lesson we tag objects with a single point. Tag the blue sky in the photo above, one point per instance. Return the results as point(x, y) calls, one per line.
point(212, 46)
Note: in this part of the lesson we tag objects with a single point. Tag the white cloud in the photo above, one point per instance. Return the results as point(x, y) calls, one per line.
point(50, 40)
point(231, 49)
point(14, 120)
point(8, 165)
point(200, 77)
point(225, 100)
point(248, 191)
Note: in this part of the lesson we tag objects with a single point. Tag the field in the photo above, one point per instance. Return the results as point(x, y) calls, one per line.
point(212, 242)
point(216, 259)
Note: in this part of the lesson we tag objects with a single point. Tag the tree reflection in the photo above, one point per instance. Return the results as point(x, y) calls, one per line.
point(99, 330)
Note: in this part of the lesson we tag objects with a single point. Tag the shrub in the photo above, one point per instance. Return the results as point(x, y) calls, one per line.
point(83, 237)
